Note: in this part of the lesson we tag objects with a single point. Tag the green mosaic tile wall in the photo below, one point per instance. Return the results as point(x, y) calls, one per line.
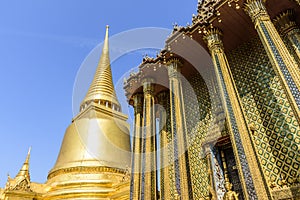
point(277, 135)
point(198, 117)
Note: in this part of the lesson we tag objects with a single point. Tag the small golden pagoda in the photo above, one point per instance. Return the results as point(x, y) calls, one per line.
point(21, 187)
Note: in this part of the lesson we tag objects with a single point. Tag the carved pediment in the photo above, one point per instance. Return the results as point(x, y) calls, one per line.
point(23, 186)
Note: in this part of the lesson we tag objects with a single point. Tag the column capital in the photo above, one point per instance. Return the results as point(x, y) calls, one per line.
point(175, 60)
point(163, 97)
point(285, 22)
point(138, 103)
point(256, 10)
point(174, 67)
point(148, 85)
point(213, 38)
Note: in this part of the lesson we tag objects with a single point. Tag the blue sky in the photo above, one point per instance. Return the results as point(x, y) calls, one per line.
point(43, 45)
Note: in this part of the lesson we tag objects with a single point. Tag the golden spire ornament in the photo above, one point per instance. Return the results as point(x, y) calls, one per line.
point(24, 171)
point(102, 87)
point(22, 180)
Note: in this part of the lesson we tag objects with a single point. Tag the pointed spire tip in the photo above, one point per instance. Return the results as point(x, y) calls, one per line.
point(29, 150)
point(28, 155)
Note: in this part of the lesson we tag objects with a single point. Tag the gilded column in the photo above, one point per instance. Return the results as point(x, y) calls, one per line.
point(289, 31)
point(179, 132)
point(135, 185)
point(165, 142)
point(282, 62)
point(148, 183)
point(253, 182)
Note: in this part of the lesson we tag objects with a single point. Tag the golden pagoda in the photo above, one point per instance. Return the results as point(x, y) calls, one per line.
point(94, 158)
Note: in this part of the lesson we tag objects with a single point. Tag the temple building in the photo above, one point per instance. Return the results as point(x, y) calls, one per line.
point(216, 116)
point(217, 112)
point(94, 159)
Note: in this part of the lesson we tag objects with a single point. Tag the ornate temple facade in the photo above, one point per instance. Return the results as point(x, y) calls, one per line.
point(217, 112)
point(94, 158)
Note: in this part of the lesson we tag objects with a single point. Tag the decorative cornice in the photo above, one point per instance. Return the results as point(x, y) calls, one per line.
point(86, 170)
point(96, 108)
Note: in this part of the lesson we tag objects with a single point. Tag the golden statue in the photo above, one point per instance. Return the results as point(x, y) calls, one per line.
point(230, 195)
point(177, 196)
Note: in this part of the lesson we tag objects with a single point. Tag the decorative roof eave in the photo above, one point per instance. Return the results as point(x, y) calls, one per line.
point(135, 75)
point(208, 10)
point(156, 69)
point(205, 19)
point(135, 78)
point(200, 24)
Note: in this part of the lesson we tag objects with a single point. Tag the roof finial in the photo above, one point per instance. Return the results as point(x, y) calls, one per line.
point(24, 171)
point(28, 155)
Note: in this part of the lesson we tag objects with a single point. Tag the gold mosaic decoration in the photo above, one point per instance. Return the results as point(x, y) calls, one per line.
point(198, 116)
point(276, 132)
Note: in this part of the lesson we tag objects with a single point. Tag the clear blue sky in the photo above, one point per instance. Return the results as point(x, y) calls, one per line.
point(42, 46)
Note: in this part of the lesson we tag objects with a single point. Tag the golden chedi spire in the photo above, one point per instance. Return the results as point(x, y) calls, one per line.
point(95, 153)
point(22, 180)
point(102, 87)
point(24, 171)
